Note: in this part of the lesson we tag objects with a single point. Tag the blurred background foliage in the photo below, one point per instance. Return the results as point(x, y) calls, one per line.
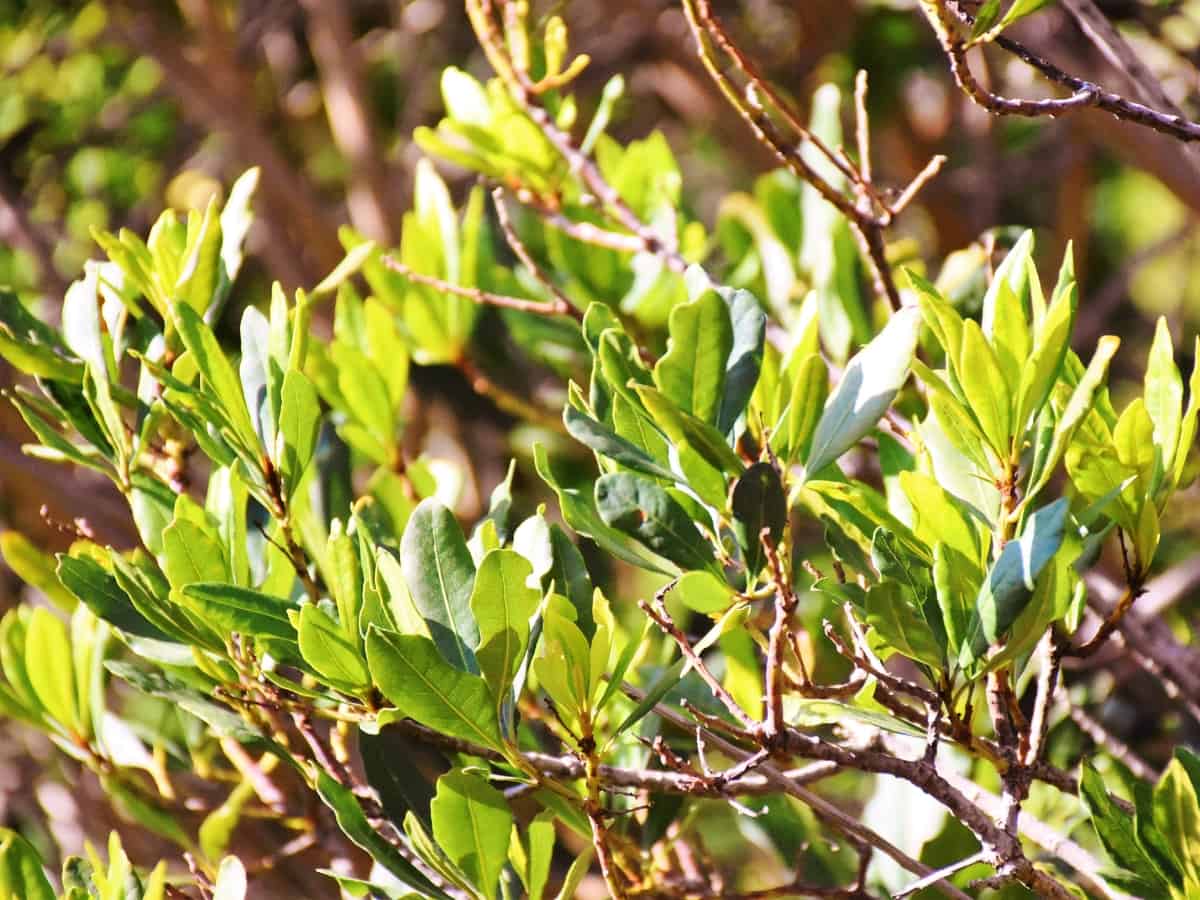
point(112, 111)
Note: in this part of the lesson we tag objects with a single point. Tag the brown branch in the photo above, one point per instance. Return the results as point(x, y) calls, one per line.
point(785, 605)
point(1084, 93)
point(561, 302)
point(821, 807)
point(657, 611)
point(477, 295)
point(524, 92)
point(342, 75)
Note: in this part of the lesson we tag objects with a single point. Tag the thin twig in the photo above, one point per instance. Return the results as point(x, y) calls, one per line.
point(477, 295)
point(1084, 93)
point(561, 303)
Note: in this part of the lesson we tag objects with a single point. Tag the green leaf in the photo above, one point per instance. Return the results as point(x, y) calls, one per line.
point(687, 431)
point(1177, 817)
point(691, 374)
point(241, 610)
point(299, 423)
point(1040, 372)
point(758, 502)
point(472, 824)
point(901, 625)
point(413, 675)
point(503, 603)
point(438, 568)
point(809, 383)
point(216, 831)
point(1187, 430)
point(704, 592)
point(641, 508)
point(955, 584)
point(745, 359)
point(35, 568)
point(1012, 275)
point(576, 874)
point(197, 282)
point(21, 874)
point(1019, 10)
point(354, 825)
point(1164, 395)
point(986, 16)
point(191, 554)
point(985, 389)
point(579, 511)
point(1080, 404)
point(346, 269)
point(939, 516)
point(606, 442)
point(541, 852)
point(871, 381)
point(94, 586)
point(1010, 583)
point(324, 646)
point(47, 662)
point(1116, 830)
point(217, 373)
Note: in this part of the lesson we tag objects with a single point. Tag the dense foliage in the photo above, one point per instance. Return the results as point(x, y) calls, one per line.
point(802, 623)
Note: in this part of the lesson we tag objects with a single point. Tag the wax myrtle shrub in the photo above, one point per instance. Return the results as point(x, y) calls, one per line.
point(798, 576)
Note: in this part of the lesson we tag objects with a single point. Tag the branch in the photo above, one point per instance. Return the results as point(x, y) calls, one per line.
point(341, 71)
point(821, 807)
point(524, 92)
point(1112, 745)
point(484, 298)
point(946, 21)
point(561, 302)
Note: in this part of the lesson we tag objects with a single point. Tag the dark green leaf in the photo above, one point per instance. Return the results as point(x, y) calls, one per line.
point(607, 442)
point(745, 359)
point(579, 511)
point(758, 502)
point(644, 510)
point(237, 609)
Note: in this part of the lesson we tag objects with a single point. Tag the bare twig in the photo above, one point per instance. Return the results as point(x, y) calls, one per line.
point(657, 611)
point(561, 303)
point(1084, 93)
point(477, 295)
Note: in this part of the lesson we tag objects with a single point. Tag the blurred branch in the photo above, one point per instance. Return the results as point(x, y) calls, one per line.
point(292, 209)
point(1104, 302)
point(1120, 55)
point(1112, 745)
point(340, 67)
